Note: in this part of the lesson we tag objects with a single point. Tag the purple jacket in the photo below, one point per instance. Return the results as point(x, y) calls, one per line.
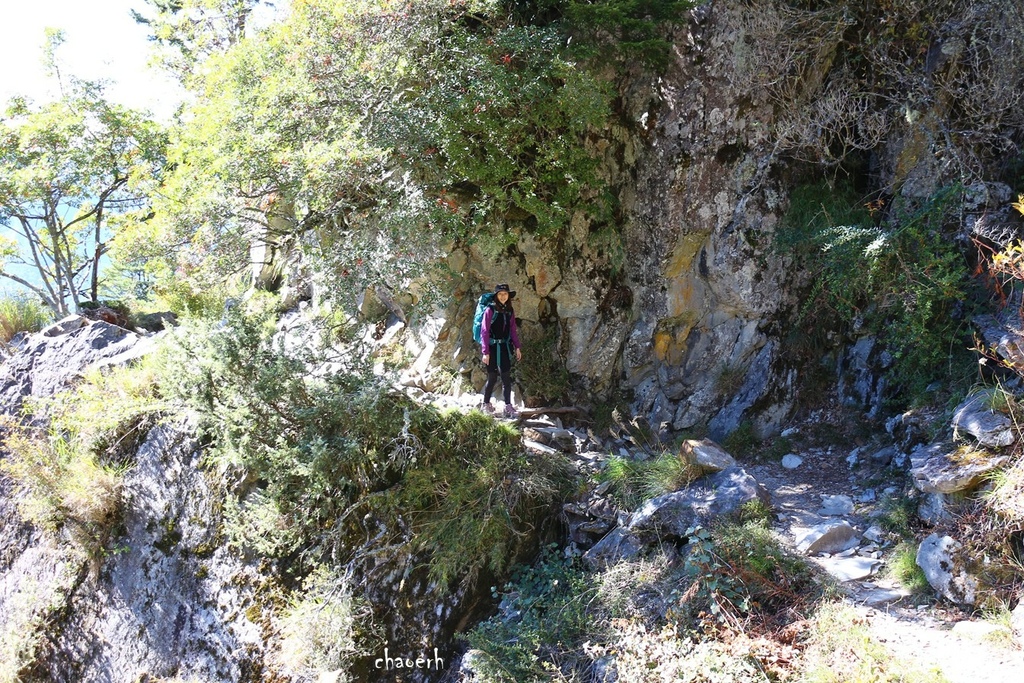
point(485, 331)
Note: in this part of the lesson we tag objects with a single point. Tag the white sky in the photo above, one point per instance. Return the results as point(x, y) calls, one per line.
point(102, 41)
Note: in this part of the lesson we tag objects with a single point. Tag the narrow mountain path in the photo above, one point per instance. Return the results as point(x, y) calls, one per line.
point(835, 483)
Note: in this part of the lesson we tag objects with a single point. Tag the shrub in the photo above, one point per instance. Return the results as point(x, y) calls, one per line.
point(320, 626)
point(547, 610)
point(904, 279)
point(743, 579)
point(326, 450)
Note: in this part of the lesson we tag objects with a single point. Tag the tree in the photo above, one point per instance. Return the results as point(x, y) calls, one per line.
point(192, 30)
point(71, 172)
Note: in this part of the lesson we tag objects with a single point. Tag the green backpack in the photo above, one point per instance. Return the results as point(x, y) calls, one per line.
point(478, 320)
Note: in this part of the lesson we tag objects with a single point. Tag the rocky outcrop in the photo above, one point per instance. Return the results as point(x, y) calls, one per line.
point(946, 569)
point(168, 599)
point(672, 517)
point(945, 468)
point(975, 416)
point(53, 360)
point(173, 600)
point(673, 514)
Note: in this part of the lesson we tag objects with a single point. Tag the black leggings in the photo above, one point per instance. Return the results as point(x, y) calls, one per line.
point(506, 384)
point(500, 363)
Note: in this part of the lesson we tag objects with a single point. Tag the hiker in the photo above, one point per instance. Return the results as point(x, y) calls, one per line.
point(499, 338)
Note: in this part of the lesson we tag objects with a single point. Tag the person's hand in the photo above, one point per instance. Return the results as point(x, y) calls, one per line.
point(487, 358)
point(519, 354)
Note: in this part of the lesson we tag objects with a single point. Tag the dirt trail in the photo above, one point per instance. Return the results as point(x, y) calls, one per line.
point(931, 636)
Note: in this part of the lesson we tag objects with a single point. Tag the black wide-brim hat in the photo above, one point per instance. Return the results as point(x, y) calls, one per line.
point(504, 288)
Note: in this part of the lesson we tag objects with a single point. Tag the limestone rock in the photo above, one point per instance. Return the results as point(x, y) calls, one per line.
point(938, 556)
point(162, 586)
point(706, 454)
point(828, 537)
point(722, 493)
point(1017, 622)
point(53, 360)
point(791, 461)
point(850, 568)
point(943, 468)
point(619, 544)
point(835, 506)
point(992, 429)
point(932, 508)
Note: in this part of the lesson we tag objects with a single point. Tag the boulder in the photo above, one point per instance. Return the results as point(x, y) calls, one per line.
point(156, 322)
point(619, 544)
point(939, 558)
point(975, 416)
point(932, 508)
point(53, 360)
point(846, 569)
point(944, 468)
point(706, 454)
point(722, 493)
point(827, 537)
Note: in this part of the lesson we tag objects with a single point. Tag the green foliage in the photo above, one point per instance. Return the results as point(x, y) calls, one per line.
point(504, 114)
point(544, 377)
point(547, 607)
point(904, 280)
point(638, 28)
point(740, 572)
point(329, 451)
point(367, 135)
point(21, 314)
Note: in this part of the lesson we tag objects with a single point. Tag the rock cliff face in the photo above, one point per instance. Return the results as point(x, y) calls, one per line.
point(684, 305)
point(166, 599)
point(686, 302)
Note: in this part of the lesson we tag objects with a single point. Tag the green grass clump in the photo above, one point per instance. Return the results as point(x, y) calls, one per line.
point(899, 514)
point(21, 314)
point(634, 481)
point(904, 568)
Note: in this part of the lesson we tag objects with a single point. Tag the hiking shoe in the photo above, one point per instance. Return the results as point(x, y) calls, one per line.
point(510, 410)
point(487, 408)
